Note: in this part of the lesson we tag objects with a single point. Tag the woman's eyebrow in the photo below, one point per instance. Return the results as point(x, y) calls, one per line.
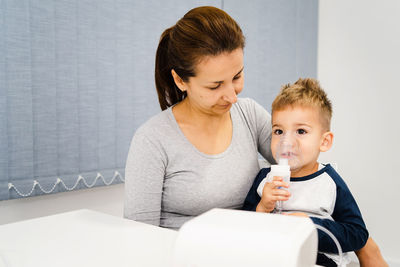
point(233, 76)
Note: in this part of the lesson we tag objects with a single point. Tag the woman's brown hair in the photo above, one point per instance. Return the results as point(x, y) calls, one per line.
point(203, 31)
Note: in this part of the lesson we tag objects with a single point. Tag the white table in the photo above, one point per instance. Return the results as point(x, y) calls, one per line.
point(85, 238)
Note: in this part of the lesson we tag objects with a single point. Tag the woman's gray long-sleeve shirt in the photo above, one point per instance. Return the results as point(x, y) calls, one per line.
point(168, 181)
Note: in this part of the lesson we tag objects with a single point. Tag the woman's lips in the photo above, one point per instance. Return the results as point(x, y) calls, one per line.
point(225, 106)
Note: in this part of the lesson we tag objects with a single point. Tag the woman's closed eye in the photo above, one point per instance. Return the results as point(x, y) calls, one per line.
point(216, 87)
point(213, 88)
point(237, 77)
point(219, 84)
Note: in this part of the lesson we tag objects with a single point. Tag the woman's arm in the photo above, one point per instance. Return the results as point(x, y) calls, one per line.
point(144, 178)
point(370, 255)
point(259, 122)
point(264, 131)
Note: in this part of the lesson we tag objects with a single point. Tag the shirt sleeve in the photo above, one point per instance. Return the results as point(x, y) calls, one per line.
point(259, 123)
point(348, 225)
point(264, 131)
point(252, 198)
point(144, 178)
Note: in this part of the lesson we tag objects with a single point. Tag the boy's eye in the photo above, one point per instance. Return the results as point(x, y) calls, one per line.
point(301, 131)
point(278, 132)
point(236, 77)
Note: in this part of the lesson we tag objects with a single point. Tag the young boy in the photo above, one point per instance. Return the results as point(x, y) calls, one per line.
point(301, 115)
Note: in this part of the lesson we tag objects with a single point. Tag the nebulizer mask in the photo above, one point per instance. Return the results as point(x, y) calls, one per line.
point(288, 151)
point(288, 157)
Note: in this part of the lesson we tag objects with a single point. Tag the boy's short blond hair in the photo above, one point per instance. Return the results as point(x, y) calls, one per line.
point(305, 93)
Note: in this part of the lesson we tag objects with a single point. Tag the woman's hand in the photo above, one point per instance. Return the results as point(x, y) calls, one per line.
point(272, 193)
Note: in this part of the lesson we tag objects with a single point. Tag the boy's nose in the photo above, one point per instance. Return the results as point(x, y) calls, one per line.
point(288, 140)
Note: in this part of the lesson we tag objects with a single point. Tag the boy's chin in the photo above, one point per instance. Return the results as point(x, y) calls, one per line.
point(295, 164)
point(295, 168)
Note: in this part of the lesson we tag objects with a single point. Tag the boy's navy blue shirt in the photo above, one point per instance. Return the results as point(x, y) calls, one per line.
point(327, 200)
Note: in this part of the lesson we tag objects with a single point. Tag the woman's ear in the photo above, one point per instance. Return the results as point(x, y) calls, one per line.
point(178, 81)
point(327, 140)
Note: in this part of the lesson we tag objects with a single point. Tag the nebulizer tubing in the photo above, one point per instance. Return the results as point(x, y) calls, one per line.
point(339, 248)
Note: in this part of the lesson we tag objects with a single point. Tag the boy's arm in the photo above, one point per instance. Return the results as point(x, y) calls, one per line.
point(348, 226)
point(370, 255)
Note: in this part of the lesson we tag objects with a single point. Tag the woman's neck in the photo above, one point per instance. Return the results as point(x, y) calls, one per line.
point(210, 134)
point(188, 114)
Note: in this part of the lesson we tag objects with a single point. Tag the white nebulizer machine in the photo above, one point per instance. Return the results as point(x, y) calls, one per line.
point(237, 238)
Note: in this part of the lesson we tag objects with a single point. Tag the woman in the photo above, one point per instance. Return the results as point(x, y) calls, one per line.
point(201, 151)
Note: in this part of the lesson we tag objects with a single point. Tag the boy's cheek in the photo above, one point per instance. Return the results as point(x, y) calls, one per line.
point(273, 149)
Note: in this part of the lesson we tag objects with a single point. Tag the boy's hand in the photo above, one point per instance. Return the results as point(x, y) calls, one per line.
point(271, 194)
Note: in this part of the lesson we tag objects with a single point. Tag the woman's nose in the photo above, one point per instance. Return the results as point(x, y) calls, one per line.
point(230, 95)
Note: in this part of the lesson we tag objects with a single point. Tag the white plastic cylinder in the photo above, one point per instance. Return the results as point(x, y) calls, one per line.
point(276, 170)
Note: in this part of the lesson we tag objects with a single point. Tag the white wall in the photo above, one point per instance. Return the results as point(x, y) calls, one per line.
point(359, 66)
point(108, 199)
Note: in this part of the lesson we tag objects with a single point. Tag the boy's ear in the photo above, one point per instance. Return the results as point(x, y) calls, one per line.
point(327, 140)
point(178, 81)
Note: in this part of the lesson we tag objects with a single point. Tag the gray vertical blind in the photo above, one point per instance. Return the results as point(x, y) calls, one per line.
point(281, 44)
point(77, 79)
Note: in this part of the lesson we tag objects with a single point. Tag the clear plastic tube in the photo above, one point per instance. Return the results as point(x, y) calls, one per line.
point(323, 229)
